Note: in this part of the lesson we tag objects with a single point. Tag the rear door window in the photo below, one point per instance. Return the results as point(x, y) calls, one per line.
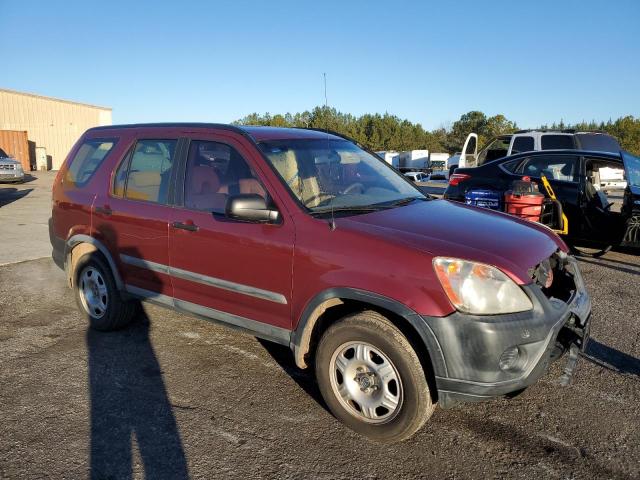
point(557, 142)
point(522, 144)
point(554, 167)
point(146, 173)
point(87, 160)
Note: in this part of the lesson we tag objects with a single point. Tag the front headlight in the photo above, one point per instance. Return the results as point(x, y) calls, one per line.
point(479, 289)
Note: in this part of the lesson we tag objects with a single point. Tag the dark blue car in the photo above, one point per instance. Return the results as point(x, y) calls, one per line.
point(600, 213)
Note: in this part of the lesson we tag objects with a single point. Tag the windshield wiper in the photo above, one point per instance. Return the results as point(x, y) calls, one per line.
point(404, 201)
point(374, 207)
point(356, 208)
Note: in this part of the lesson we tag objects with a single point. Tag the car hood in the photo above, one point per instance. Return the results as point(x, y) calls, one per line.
point(444, 228)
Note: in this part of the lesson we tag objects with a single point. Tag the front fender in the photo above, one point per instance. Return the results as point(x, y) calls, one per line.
point(301, 335)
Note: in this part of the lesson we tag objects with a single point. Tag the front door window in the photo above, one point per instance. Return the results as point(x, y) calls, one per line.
point(216, 171)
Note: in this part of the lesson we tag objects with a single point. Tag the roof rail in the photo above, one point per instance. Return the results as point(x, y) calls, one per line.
point(547, 130)
point(222, 126)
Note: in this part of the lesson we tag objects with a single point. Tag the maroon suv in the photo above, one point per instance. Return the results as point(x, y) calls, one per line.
point(303, 238)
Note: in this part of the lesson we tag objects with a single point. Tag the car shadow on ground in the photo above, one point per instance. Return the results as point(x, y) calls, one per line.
point(533, 446)
point(611, 359)
point(304, 378)
point(11, 194)
point(619, 268)
point(29, 178)
point(129, 403)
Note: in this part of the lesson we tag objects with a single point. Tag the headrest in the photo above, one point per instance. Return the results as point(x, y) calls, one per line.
point(286, 164)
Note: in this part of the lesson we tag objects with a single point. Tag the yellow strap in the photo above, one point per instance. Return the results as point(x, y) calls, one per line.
point(547, 187)
point(552, 195)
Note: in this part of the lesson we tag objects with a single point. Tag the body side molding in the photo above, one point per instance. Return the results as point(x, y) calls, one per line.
point(205, 279)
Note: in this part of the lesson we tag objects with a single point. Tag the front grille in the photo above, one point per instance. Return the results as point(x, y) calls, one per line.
point(7, 166)
point(563, 284)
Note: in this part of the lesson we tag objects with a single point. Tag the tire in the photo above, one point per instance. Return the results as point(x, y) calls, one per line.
point(97, 296)
point(359, 345)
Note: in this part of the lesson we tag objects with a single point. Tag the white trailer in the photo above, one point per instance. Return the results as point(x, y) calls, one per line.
point(414, 161)
point(392, 158)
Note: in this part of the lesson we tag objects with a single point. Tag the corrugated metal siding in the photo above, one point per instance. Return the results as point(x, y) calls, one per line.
point(50, 123)
point(16, 145)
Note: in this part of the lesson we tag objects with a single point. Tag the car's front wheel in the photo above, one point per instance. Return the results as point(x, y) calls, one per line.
point(371, 378)
point(98, 297)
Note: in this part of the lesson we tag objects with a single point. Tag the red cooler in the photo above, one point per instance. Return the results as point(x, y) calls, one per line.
point(524, 200)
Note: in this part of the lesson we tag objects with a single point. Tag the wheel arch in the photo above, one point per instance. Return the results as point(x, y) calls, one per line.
point(332, 304)
point(79, 245)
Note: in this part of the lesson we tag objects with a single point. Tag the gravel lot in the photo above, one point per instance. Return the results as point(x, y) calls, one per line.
point(173, 396)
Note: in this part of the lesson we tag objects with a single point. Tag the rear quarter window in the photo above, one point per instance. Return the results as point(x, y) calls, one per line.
point(87, 160)
point(597, 142)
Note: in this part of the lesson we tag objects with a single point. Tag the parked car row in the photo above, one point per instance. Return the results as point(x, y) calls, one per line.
point(527, 141)
point(302, 238)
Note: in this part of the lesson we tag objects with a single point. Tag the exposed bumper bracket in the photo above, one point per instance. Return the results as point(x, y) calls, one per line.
point(570, 367)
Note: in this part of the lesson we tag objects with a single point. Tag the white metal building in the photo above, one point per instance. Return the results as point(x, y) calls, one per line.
point(50, 122)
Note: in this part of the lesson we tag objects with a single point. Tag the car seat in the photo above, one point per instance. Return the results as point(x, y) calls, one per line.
point(144, 185)
point(203, 189)
point(305, 188)
point(241, 180)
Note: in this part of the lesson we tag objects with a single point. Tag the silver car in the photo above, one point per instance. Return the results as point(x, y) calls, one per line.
point(10, 169)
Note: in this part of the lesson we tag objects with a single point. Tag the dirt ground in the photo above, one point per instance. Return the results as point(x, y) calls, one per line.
point(177, 397)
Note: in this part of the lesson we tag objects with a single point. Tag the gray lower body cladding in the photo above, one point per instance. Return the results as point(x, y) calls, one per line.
point(489, 356)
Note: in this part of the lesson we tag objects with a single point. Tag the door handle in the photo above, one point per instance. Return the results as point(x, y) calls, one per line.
point(188, 225)
point(105, 210)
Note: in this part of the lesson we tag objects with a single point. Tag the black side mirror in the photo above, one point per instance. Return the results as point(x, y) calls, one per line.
point(250, 207)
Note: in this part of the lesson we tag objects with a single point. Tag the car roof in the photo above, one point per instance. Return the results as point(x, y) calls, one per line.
point(257, 133)
point(578, 153)
point(260, 133)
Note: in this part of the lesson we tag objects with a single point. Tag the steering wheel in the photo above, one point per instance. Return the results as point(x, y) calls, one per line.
point(352, 187)
point(323, 199)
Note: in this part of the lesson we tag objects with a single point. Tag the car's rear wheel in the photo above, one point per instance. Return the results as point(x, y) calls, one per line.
point(371, 378)
point(98, 297)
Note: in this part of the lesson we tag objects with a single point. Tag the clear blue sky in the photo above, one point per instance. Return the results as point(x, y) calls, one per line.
point(429, 62)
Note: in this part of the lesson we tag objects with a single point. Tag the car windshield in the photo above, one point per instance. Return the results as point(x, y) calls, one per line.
point(2, 154)
point(332, 174)
point(632, 168)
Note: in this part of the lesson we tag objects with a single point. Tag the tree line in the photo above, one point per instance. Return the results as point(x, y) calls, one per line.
point(388, 132)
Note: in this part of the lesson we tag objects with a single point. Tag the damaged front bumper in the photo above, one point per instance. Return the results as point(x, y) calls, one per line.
point(489, 356)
